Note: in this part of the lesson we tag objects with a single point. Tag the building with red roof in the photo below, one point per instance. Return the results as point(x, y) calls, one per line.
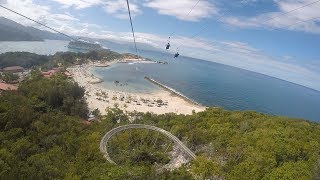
point(13, 69)
point(7, 87)
point(51, 72)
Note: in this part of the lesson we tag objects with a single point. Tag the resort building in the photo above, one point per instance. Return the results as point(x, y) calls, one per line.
point(68, 74)
point(13, 69)
point(7, 87)
point(50, 73)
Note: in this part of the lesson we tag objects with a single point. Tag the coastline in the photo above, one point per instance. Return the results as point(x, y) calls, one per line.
point(99, 97)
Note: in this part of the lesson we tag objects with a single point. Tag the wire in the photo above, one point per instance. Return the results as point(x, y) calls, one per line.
point(279, 28)
point(200, 32)
point(285, 13)
point(204, 27)
point(272, 18)
point(193, 8)
point(174, 31)
point(133, 35)
point(38, 22)
point(300, 21)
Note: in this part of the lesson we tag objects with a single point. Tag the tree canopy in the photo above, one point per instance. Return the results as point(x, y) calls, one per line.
point(29, 60)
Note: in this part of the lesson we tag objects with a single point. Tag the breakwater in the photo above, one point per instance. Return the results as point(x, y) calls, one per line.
point(174, 92)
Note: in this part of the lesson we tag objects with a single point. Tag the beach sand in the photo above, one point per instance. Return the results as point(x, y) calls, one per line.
point(102, 98)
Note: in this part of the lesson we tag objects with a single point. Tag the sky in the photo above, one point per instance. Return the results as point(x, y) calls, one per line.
point(272, 37)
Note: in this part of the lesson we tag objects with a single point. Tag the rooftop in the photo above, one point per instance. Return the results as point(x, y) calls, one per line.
point(13, 68)
point(8, 87)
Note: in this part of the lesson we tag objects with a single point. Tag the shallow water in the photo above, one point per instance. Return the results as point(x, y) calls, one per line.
point(129, 76)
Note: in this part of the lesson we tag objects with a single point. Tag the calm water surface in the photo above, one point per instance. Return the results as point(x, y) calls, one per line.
point(47, 47)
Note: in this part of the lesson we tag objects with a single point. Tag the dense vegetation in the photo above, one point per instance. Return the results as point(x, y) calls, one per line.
point(9, 77)
point(140, 147)
point(23, 59)
point(43, 137)
point(12, 31)
point(248, 145)
point(29, 60)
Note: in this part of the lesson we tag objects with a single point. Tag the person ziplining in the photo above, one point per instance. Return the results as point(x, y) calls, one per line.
point(176, 55)
point(268, 20)
point(168, 44)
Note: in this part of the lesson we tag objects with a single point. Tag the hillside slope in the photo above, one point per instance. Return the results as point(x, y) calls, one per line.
point(12, 31)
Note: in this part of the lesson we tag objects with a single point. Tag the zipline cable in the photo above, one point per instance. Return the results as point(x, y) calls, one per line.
point(38, 23)
point(272, 18)
point(132, 29)
point(174, 31)
point(284, 27)
point(277, 28)
point(300, 21)
point(288, 12)
point(199, 32)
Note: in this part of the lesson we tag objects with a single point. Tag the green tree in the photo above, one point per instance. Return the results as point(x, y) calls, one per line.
point(9, 77)
point(205, 168)
point(291, 170)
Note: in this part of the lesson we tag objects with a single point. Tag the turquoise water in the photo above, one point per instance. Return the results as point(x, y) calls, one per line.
point(208, 83)
point(130, 77)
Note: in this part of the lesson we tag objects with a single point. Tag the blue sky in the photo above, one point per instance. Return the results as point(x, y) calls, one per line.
point(256, 35)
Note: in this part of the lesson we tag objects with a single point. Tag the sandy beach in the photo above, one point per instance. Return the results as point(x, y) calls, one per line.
point(102, 98)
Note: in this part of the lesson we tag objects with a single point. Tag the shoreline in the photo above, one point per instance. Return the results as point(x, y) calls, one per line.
point(165, 100)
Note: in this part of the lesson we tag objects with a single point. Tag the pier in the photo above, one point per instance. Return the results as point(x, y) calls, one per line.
point(174, 92)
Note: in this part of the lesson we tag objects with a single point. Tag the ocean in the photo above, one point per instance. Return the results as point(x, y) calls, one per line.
point(47, 47)
point(209, 84)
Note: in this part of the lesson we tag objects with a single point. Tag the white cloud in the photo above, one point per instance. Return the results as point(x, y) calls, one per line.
point(36, 12)
point(118, 8)
point(63, 17)
point(181, 8)
point(178, 9)
point(79, 4)
point(114, 7)
point(26, 7)
point(62, 22)
point(248, 1)
point(304, 19)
